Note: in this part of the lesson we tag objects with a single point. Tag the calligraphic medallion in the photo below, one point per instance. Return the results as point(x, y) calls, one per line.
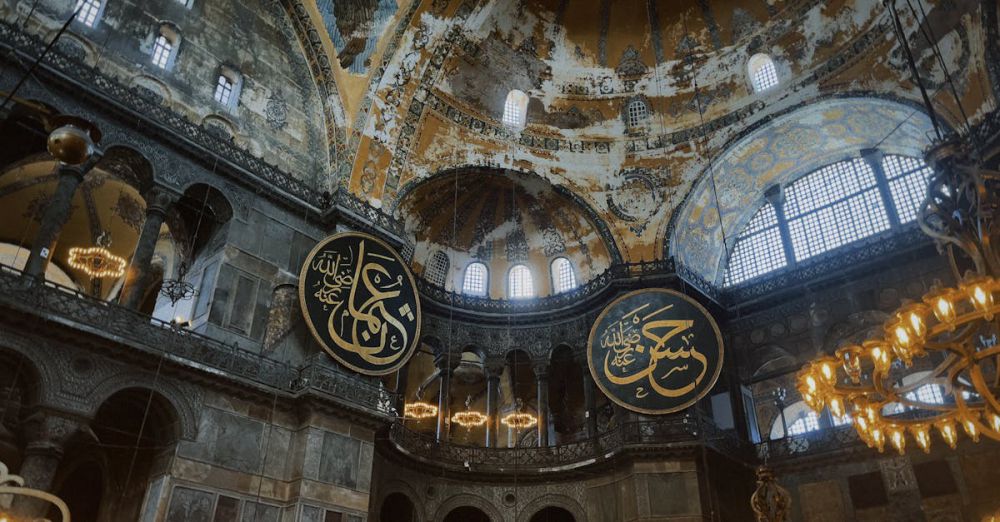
point(655, 351)
point(361, 303)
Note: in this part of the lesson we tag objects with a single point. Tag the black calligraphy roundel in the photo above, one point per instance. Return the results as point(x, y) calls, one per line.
point(361, 303)
point(655, 351)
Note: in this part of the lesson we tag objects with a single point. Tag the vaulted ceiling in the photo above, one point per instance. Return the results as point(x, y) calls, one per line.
point(418, 87)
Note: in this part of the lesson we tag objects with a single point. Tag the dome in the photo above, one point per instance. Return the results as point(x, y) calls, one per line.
point(502, 219)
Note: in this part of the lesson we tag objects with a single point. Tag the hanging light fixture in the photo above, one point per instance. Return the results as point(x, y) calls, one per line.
point(955, 325)
point(469, 418)
point(419, 410)
point(519, 420)
point(97, 262)
point(178, 289)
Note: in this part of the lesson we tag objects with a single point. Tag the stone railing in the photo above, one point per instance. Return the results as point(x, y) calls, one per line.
point(809, 444)
point(119, 325)
point(676, 432)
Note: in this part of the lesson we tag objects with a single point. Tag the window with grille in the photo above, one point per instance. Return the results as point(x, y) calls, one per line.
point(520, 284)
point(474, 282)
point(804, 424)
point(833, 206)
point(563, 277)
point(161, 51)
point(763, 73)
point(88, 11)
point(758, 248)
point(224, 90)
point(927, 394)
point(908, 178)
point(637, 112)
point(515, 108)
point(437, 269)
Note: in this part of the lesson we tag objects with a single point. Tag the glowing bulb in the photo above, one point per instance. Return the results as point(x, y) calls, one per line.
point(898, 440)
point(948, 433)
point(811, 383)
point(979, 295)
point(923, 437)
point(917, 324)
point(902, 337)
point(971, 429)
point(880, 356)
point(828, 373)
point(995, 422)
point(837, 407)
point(878, 438)
point(852, 362)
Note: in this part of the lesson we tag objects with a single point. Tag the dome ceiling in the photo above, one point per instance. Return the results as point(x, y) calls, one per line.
point(419, 89)
point(502, 219)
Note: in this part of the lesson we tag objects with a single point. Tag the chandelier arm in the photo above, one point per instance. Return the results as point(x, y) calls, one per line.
point(976, 373)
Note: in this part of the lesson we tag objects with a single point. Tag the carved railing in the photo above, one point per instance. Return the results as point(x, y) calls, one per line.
point(809, 444)
point(676, 431)
point(51, 302)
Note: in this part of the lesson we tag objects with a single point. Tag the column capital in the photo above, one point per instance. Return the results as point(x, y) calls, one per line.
point(447, 362)
point(48, 432)
point(493, 368)
point(540, 367)
point(159, 200)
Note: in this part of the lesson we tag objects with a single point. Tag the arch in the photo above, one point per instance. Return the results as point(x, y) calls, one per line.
point(203, 212)
point(520, 282)
point(465, 500)
point(563, 275)
point(24, 354)
point(562, 502)
point(394, 486)
point(515, 109)
point(397, 507)
point(553, 514)
point(183, 405)
point(762, 72)
point(128, 165)
point(778, 150)
point(476, 280)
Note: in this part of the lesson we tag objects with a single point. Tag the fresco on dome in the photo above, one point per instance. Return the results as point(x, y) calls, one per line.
point(780, 152)
point(354, 27)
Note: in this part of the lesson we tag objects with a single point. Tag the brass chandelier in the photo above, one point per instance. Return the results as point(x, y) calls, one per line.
point(956, 327)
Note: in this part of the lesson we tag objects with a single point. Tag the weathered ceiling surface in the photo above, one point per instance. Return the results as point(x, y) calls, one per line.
point(423, 84)
point(501, 219)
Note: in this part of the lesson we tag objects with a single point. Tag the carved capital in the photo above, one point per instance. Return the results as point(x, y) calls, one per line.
point(48, 432)
point(159, 201)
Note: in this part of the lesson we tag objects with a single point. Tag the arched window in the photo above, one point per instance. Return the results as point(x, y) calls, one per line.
point(515, 108)
point(437, 269)
point(637, 113)
point(762, 72)
point(828, 208)
point(907, 178)
point(563, 277)
point(89, 11)
point(758, 248)
point(227, 87)
point(474, 282)
point(804, 424)
point(800, 419)
point(165, 46)
point(519, 284)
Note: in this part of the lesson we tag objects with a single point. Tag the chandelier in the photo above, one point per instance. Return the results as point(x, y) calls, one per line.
point(469, 418)
point(955, 327)
point(12, 486)
point(519, 420)
point(419, 410)
point(178, 289)
point(97, 262)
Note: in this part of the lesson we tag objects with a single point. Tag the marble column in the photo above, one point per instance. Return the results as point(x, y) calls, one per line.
point(493, 373)
point(137, 281)
point(46, 436)
point(542, 379)
point(56, 213)
point(445, 368)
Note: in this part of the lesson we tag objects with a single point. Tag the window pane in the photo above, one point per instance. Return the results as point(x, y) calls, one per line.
point(88, 11)
point(514, 108)
point(763, 74)
point(563, 277)
point(636, 113)
point(758, 248)
point(810, 422)
point(520, 282)
point(908, 178)
point(223, 90)
point(437, 269)
point(835, 205)
point(475, 279)
point(161, 51)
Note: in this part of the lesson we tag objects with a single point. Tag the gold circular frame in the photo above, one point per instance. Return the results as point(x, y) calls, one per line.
point(688, 403)
point(312, 329)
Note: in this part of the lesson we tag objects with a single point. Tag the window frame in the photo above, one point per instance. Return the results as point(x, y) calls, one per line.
point(172, 36)
point(530, 283)
point(485, 279)
point(98, 13)
point(556, 277)
point(634, 119)
point(235, 79)
point(436, 274)
point(762, 63)
point(515, 109)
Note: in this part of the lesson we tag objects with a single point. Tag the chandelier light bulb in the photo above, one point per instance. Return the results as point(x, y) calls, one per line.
point(944, 311)
point(837, 407)
point(878, 439)
point(971, 429)
point(948, 433)
point(923, 437)
point(880, 357)
point(917, 324)
point(898, 439)
point(995, 422)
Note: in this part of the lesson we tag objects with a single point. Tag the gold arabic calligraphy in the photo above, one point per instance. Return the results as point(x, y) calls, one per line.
point(361, 321)
point(661, 339)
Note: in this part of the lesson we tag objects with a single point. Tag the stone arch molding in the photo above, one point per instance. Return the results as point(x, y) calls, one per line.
point(778, 152)
point(184, 398)
point(465, 499)
point(397, 486)
point(560, 501)
point(34, 353)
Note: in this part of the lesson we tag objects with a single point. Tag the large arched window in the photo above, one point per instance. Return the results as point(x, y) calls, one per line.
point(515, 109)
point(563, 277)
point(437, 269)
point(519, 283)
point(826, 209)
point(475, 280)
point(763, 73)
